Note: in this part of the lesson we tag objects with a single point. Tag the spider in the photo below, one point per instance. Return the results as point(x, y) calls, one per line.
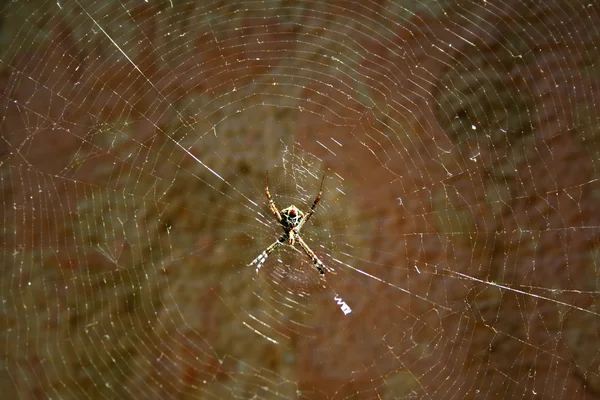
point(292, 220)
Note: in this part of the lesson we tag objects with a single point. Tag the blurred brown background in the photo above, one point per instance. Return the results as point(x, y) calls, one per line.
point(459, 142)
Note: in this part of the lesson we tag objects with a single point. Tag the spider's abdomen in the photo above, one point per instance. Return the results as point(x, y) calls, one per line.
point(290, 217)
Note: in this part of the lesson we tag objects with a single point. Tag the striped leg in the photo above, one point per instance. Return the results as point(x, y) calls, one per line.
point(312, 208)
point(316, 262)
point(262, 257)
point(272, 206)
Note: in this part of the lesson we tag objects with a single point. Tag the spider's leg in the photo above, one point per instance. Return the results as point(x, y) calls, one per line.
point(312, 208)
point(272, 206)
point(262, 257)
point(316, 262)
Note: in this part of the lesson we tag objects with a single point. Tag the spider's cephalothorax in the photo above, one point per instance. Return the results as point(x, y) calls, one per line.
point(292, 220)
point(291, 217)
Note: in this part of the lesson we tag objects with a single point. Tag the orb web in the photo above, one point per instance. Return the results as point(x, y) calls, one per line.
point(458, 140)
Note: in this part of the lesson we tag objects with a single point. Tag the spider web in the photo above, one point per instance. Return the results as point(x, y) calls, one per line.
point(460, 148)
